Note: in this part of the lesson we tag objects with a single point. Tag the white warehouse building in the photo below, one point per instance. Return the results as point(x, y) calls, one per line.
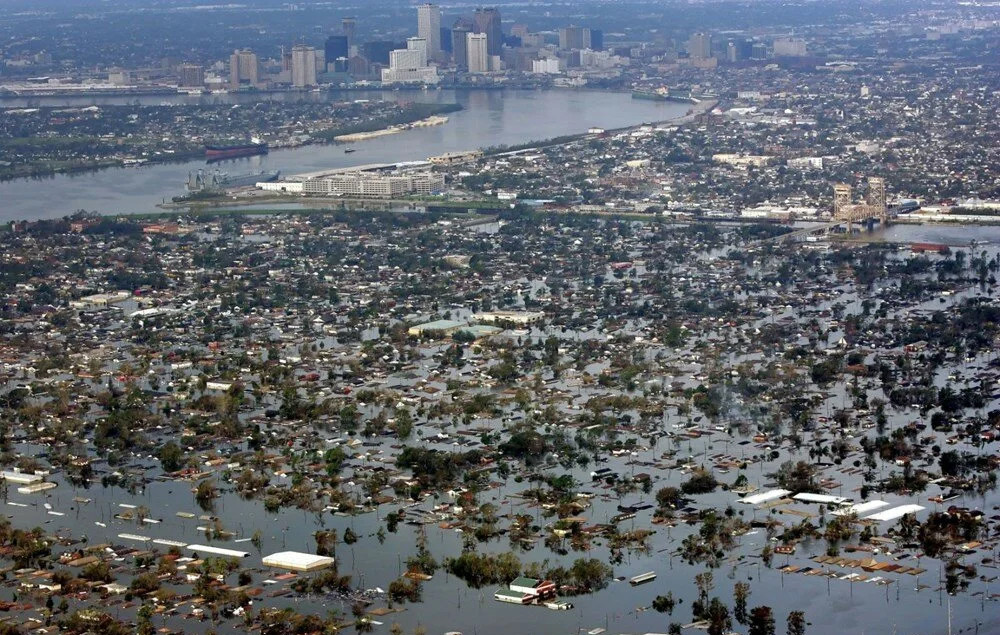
point(374, 184)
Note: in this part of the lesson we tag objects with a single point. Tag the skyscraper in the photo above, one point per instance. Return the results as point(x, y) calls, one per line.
point(244, 68)
point(349, 25)
point(419, 46)
point(303, 66)
point(574, 37)
point(699, 46)
point(190, 76)
point(336, 48)
point(429, 28)
point(487, 21)
point(597, 39)
point(410, 64)
point(377, 52)
point(477, 45)
point(460, 45)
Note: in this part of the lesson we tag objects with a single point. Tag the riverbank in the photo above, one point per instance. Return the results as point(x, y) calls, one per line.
point(412, 115)
point(692, 114)
point(434, 120)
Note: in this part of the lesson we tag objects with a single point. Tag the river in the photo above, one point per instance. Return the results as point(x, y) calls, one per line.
point(489, 118)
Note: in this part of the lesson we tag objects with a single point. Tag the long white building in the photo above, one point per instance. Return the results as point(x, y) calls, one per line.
point(375, 184)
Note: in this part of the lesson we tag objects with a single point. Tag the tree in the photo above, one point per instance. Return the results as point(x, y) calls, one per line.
point(664, 603)
point(741, 593)
point(718, 618)
point(144, 625)
point(796, 623)
point(668, 497)
point(761, 621)
point(171, 457)
point(701, 482)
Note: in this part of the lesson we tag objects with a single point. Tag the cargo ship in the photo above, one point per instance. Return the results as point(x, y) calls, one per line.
point(215, 152)
point(202, 181)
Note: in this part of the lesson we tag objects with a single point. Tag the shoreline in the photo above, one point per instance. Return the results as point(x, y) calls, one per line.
point(97, 165)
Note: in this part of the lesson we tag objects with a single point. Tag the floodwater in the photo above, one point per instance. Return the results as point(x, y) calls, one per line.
point(489, 118)
point(832, 606)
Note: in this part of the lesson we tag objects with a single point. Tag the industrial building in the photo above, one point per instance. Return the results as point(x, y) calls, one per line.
point(378, 180)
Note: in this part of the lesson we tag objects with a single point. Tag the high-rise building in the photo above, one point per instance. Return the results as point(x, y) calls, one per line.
point(349, 25)
point(477, 46)
point(459, 45)
point(377, 52)
point(487, 22)
point(574, 38)
point(429, 28)
point(419, 46)
point(409, 65)
point(789, 47)
point(244, 69)
point(446, 40)
point(190, 76)
point(303, 66)
point(336, 47)
point(597, 39)
point(699, 46)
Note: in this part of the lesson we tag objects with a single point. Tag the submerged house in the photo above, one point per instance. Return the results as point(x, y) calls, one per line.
point(525, 591)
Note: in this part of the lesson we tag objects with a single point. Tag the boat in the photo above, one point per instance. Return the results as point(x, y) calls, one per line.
point(216, 152)
point(202, 181)
point(349, 150)
point(653, 95)
point(642, 578)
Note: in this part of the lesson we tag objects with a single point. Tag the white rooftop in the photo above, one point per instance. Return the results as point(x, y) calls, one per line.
point(895, 512)
point(297, 561)
point(806, 497)
point(861, 508)
point(763, 497)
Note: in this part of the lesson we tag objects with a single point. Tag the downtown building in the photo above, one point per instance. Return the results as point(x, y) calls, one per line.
point(409, 65)
point(429, 29)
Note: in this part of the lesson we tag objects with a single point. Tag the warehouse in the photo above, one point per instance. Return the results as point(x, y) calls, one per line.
point(297, 561)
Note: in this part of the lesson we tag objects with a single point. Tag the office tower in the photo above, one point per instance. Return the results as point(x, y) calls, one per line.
point(789, 47)
point(410, 64)
point(758, 51)
point(303, 66)
point(190, 76)
point(419, 46)
point(459, 45)
point(244, 69)
point(487, 22)
point(377, 52)
point(574, 38)
point(700, 46)
point(446, 46)
point(429, 28)
point(349, 25)
point(597, 39)
point(732, 53)
point(336, 47)
point(477, 45)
